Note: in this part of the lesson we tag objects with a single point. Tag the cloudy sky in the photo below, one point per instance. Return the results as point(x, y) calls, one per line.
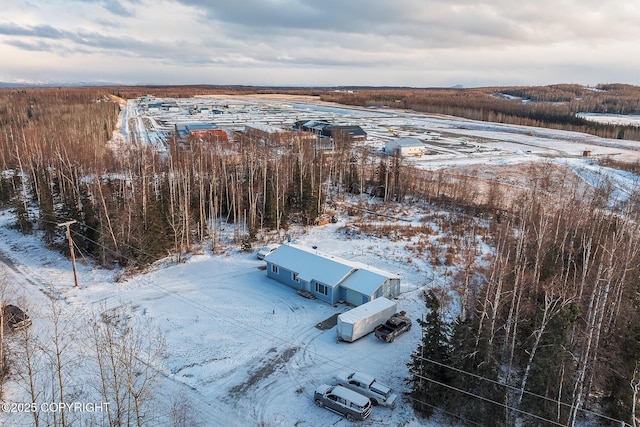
point(421, 43)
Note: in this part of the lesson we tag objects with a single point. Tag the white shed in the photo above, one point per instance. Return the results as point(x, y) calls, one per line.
point(404, 147)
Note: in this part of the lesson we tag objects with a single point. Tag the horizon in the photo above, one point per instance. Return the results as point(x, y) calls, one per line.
point(4, 84)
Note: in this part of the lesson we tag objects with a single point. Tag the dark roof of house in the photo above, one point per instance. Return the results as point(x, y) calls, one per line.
point(351, 130)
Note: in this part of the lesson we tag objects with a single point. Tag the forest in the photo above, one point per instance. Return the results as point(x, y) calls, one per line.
point(549, 328)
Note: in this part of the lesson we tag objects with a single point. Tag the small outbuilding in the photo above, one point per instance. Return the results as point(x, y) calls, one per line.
point(328, 278)
point(404, 147)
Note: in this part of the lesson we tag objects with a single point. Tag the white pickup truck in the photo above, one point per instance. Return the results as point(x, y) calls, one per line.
point(367, 385)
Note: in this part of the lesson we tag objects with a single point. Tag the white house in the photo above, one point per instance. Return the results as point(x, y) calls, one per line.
point(404, 147)
point(330, 278)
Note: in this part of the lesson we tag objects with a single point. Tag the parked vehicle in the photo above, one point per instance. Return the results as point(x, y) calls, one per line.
point(267, 250)
point(397, 325)
point(15, 318)
point(367, 385)
point(362, 320)
point(343, 401)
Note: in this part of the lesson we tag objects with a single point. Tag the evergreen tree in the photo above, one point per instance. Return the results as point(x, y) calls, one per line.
point(270, 208)
point(382, 180)
point(23, 221)
point(475, 372)
point(294, 192)
point(309, 200)
point(155, 236)
point(352, 181)
point(48, 223)
point(428, 365)
point(301, 197)
point(90, 224)
point(551, 368)
point(6, 191)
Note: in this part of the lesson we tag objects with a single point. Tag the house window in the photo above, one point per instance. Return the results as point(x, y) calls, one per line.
point(294, 277)
point(274, 268)
point(322, 289)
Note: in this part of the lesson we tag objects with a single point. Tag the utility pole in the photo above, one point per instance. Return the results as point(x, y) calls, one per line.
point(73, 256)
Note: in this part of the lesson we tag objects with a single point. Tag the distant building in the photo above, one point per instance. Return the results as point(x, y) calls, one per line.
point(325, 129)
point(200, 129)
point(351, 132)
point(405, 147)
point(313, 126)
point(328, 278)
point(262, 134)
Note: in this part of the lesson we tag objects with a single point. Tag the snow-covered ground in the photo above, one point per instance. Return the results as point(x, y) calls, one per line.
point(462, 140)
point(613, 119)
point(242, 349)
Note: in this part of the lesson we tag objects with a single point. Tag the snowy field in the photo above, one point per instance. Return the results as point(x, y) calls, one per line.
point(613, 119)
point(244, 350)
point(462, 141)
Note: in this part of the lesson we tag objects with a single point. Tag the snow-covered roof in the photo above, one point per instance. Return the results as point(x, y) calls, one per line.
point(349, 395)
point(363, 281)
point(263, 128)
point(370, 268)
point(407, 142)
point(362, 378)
point(363, 311)
point(330, 270)
point(310, 265)
point(315, 124)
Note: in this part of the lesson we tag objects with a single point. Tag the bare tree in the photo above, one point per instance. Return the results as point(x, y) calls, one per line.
point(128, 351)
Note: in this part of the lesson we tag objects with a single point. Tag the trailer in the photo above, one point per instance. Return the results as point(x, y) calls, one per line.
point(362, 320)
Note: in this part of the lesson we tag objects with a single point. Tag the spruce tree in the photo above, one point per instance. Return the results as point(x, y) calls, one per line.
point(474, 376)
point(429, 363)
point(23, 221)
point(352, 181)
point(551, 370)
point(48, 222)
point(90, 230)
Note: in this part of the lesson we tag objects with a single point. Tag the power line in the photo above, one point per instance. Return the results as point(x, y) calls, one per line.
point(105, 247)
point(264, 334)
point(504, 405)
point(234, 321)
point(558, 402)
point(458, 416)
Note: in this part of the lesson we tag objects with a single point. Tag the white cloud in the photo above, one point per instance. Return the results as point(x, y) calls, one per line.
point(306, 42)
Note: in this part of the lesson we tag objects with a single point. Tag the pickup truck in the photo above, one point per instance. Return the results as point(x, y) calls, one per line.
point(396, 325)
point(368, 386)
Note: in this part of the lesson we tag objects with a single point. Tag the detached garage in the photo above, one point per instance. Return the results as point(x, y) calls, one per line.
point(330, 278)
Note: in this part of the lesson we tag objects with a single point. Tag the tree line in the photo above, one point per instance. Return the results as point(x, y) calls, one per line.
point(552, 106)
